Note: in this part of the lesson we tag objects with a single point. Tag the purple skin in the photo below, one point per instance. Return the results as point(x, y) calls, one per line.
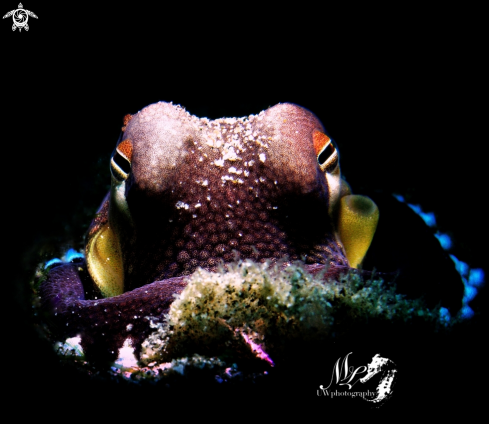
point(188, 192)
point(103, 324)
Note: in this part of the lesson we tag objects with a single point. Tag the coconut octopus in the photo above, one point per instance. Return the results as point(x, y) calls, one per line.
point(189, 192)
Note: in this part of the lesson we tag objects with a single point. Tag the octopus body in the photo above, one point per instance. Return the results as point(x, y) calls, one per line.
point(189, 192)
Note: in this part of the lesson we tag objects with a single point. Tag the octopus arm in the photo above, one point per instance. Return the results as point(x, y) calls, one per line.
point(103, 324)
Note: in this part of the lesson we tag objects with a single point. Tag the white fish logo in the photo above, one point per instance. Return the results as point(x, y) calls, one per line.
point(20, 17)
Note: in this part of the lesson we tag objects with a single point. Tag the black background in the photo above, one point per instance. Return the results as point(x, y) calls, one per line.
point(399, 91)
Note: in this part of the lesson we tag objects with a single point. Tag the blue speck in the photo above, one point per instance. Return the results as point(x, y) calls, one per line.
point(52, 261)
point(466, 312)
point(72, 254)
point(469, 293)
point(445, 240)
point(415, 208)
point(445, 315)
point(461, 267)
point(428, 217)
point(472, 278)
point(476, 277)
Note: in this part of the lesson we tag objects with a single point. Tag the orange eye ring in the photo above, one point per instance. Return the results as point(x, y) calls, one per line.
point(120, 163)
point(326, 152)
point(125, 149)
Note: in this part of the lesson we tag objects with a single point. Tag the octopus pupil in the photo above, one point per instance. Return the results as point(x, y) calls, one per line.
point(122, 162)
point(326, 153)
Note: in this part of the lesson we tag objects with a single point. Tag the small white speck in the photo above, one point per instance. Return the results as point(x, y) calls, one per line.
point(219, 162)
point(180, 205)
point(229, 153)
point(198, 205)
point(262, 157)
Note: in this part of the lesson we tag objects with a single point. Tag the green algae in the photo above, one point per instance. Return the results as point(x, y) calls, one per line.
point(239, 322)
point(260, 310)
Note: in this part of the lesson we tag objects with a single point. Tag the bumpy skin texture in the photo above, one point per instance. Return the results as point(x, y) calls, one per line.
point(276, 199)
point(198, 192)
point(104, 324)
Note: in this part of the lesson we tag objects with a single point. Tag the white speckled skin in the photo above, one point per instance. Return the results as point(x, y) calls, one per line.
point(200, 190)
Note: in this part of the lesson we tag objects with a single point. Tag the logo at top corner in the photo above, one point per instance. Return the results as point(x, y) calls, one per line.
point(20, 17)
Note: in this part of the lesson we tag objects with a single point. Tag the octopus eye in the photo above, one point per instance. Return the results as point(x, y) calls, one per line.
point(327, 154)
point(120, 164)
